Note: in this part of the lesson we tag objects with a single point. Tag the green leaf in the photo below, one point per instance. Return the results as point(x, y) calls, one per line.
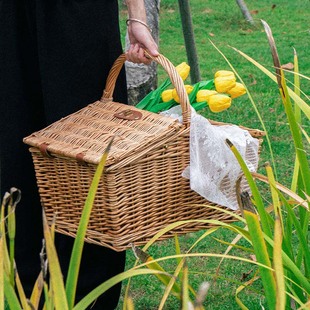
point(21, 293)
point(56, 278)
point(1, 272)
point(192, 95)
point(300, 234)
point(10, 294)
point(185, 295)
point(199, 105)
point(289, 264)
point(77, 250)
point(254, 107)
point(264, 216)
point(301, 103)
point(177, 247)
point(278, 265)
point(162, 106)
point(163, 276)
point(37, 291)
point(262, 256)
point(274, 194)
point(102, 288)
point(153, 97)
point(297, 139)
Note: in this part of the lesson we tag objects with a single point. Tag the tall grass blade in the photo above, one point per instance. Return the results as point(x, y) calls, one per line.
point(214, 223)
point(162, 232)
point(21, 293)
point(296, 134)
point(300, 201)
point(305, 135)
point(253, 104)
point(129, 303)
point(264, 216)
point(47, 298)
point(302, 248)
point(185, 295)
point(274, 195)
point(2, 236)
point(11, 234)
point(102, 288)
point(297, 112)
point(152, 264)
point(56, 278)
point(6, 258)
point(241, 288)
point(302, 237)
point(172, 282)
point(77, 250)
point(297, 85)
point(37, 291)
point(233, 245)
point(295, 176)
point(177, 273)
point(278, 265)
point(278, 242)
point(261, 253)
point(305, 306)
point(305, 108)
point(289, 264)
point(177, 247)
point(10, 294)
point(2, 253)
point(15, 195)
point(274, 52)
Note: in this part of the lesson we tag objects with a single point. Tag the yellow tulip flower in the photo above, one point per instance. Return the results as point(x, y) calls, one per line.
point(204, 95)
point(224, 83)
point(166, 95)
point(183, 70)
point(237, 91)
point(223, 73)
point(175, 95)
point(219, 103)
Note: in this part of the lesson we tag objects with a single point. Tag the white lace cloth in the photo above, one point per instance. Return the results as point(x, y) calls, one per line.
point(213, 169)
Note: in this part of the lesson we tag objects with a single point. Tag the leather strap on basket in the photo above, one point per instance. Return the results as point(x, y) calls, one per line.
point(169, 68)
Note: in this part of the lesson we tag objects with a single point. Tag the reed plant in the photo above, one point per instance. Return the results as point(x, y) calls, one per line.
point(276, 231)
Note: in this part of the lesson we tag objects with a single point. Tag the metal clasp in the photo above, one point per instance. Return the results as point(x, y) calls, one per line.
point(130, 115)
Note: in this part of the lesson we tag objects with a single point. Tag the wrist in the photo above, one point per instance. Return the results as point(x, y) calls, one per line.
point(136, 20)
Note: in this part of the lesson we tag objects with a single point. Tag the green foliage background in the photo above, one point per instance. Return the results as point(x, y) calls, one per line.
point(222, 23)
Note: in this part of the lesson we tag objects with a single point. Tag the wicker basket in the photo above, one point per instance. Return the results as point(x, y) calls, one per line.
point(141, 190)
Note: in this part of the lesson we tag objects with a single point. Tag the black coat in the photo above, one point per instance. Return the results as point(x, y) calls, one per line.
point(54, 59)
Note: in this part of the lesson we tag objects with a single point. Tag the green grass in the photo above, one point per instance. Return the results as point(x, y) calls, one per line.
point(223, 23)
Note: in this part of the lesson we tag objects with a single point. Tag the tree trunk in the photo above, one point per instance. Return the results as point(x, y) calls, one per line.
point(246, 13)
point(142, 79)
point(189, 39)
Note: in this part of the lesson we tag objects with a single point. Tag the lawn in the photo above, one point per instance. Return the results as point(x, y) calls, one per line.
point(223, 24)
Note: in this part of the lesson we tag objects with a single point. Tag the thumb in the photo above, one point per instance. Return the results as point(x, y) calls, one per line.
point(152, 47)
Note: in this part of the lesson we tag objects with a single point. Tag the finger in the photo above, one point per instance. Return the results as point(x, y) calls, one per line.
point(151, 46)
point(132, 53)
point(143, 58)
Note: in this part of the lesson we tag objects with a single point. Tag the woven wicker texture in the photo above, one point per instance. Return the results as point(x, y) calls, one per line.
point(141, 190)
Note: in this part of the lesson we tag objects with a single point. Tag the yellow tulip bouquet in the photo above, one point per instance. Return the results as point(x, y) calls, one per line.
point(217, 94)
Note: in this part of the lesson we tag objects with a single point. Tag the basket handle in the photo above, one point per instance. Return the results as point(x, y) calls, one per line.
point(172, 73)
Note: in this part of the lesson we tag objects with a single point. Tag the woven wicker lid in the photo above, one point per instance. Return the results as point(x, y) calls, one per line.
point(85, 134)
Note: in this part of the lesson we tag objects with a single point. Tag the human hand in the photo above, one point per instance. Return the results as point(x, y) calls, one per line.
point(140, 38)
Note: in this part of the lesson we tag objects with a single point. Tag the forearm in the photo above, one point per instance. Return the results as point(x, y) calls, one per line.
point(139, 33)
point(136, 9)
